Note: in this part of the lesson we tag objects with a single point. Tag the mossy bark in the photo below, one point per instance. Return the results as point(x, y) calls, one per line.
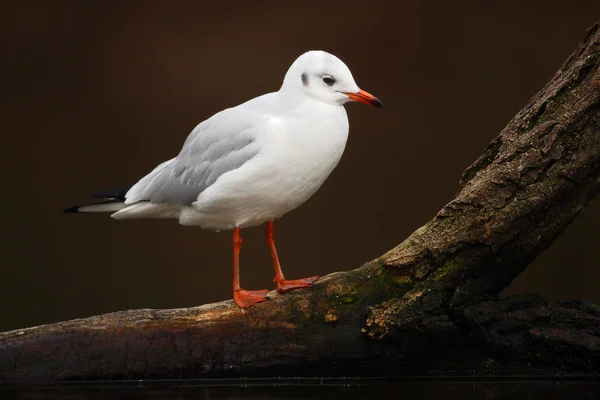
point(428, 306)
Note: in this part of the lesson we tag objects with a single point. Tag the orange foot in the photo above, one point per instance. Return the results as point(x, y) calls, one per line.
point(248, 298)
point(286, 286)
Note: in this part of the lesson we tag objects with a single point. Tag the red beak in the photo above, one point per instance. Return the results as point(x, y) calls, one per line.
point(364, 97)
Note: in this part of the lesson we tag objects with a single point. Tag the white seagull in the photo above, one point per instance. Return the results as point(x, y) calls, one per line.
point(252, 163)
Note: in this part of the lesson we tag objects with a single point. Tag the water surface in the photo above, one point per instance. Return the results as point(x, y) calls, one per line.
point(302, 388)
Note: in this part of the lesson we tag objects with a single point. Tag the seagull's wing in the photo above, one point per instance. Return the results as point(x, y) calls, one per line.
point(218, 145)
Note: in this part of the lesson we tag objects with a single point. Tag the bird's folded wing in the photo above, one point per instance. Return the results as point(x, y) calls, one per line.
point(218, 145)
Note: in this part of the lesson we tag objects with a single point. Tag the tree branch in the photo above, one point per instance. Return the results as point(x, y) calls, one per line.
point(428, 306)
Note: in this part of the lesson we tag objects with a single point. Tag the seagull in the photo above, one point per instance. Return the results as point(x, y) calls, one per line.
point(251, 164)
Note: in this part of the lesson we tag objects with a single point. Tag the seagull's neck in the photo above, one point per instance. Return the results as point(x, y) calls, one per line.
point(291, 97)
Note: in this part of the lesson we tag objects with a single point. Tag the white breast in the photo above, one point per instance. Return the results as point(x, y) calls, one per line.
point(299, 150)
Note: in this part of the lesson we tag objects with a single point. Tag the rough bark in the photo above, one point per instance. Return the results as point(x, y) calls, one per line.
point(428, 306)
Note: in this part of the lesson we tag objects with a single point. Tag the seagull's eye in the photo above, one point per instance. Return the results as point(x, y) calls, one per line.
point(329, 81)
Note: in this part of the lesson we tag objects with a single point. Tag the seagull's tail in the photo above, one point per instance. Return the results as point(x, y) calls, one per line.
point(113, 200)
point(110, 205)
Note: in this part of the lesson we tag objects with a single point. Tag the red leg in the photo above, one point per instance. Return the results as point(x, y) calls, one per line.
point(243, 298)
point(284, 285)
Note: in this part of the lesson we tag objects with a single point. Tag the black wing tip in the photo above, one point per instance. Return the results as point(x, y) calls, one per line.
point(109, 196)
point(71, 210)
point(117, 194)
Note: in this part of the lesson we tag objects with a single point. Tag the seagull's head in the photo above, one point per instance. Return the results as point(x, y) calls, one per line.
point(325, 77)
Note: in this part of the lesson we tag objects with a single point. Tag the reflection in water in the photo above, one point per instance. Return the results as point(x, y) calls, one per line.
point(311, 389)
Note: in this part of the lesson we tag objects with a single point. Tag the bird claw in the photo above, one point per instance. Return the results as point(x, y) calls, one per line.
point(248, 298)
point(286, 285)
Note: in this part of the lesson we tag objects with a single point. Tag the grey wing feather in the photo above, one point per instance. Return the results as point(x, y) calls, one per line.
point(216, 146)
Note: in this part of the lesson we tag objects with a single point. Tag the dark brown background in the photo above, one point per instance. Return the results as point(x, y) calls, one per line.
point(94, 96)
